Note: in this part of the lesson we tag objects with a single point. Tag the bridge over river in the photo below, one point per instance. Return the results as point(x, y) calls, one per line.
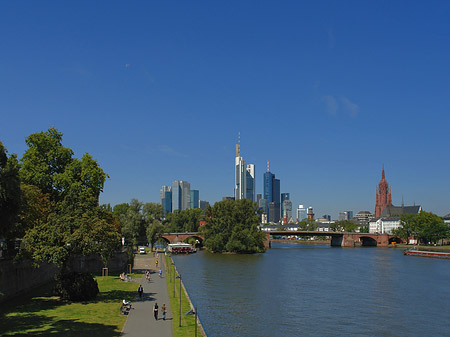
point(338, 239)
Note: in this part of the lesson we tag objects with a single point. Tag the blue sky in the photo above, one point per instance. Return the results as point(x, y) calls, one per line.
point(157, 91)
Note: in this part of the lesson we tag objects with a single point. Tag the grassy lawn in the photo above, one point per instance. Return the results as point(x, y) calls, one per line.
point(187, 328)
point(426, 248)
point(41, 314)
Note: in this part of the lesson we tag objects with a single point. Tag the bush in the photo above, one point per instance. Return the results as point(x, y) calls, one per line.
point(76, 287)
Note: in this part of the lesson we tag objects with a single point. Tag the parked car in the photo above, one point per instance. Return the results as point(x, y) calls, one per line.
point(141, 250)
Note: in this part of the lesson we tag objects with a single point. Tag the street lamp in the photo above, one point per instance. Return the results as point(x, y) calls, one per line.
point(173, 280)
point(179, 322)
point(193, 312)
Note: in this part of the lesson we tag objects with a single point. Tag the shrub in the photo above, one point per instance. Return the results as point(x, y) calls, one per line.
point(76, 287)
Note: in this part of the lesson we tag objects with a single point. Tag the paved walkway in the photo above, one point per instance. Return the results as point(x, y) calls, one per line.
point(140, 321)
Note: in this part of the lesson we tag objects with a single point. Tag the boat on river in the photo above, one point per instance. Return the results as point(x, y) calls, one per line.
point(422, 253)
point(181, 248)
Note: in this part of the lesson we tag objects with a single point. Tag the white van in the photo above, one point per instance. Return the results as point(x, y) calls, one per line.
point(141, 250)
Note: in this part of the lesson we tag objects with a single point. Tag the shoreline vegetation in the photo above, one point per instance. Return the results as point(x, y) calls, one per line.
point(187, 327)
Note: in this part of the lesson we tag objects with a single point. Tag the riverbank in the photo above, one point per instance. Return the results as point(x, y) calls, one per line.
point(424, 248)
point(183, 325)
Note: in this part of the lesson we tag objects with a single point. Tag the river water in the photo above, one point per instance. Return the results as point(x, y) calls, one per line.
point(307, 290)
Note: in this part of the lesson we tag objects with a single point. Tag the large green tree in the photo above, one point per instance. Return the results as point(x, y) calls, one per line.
point(44, 160)
point(10, 195)
point(232, 226)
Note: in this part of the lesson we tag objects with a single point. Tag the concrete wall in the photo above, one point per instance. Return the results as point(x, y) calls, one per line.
point(17, 278)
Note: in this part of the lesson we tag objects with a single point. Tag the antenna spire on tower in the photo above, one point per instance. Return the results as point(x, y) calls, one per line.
point(268, 166)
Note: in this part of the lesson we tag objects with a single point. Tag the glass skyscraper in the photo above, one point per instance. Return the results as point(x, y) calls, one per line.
point(272, 195)
point(244, 176)
point(195, 197)
point(181, 195)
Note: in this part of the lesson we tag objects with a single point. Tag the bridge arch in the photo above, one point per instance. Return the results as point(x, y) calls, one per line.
point(367, 241)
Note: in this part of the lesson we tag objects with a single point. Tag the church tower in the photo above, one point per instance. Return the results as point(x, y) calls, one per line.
point(384, 197)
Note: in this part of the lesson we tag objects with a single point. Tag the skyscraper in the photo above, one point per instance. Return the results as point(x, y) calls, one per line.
point(244, 176)
point(272, 195)
point(301, 213)
point(287, 209)
point(284, 196)
point(181, 195)
point(195, 197)
point(166, 199)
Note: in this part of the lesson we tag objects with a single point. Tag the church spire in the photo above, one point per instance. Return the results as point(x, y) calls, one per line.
point(382, 173)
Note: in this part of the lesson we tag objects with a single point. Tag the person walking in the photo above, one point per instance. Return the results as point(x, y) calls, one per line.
point(163, 311)
point(160, 272)
point(155, 310)
point(140, 291)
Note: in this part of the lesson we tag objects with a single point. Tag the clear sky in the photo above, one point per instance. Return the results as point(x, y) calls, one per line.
point(157, 91)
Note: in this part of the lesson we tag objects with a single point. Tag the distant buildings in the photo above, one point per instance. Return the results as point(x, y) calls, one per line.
point(179, 196)
point(301, 213)
point(310, 213)
point(244, 178)
point(345, 215)
point(203, 205)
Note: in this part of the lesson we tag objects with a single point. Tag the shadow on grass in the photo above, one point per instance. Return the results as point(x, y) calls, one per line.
point(66, 328)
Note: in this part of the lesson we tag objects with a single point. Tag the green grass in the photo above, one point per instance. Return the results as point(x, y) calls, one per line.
point(41, 314)
point(187, 328)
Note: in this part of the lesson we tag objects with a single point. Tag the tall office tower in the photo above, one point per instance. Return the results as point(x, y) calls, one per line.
point(301, 213)
point(250, 182)
point(258, 198)
point(195, 197)
point(264, 205)
point(384, 197)
point(284, 196)
point(181, 195)
point(166, 199)
point(272, 195)
point(244, 176)
point(287, 209)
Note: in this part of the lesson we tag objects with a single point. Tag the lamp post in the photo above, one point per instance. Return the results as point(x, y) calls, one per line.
point(179, 322)
point(173, 280)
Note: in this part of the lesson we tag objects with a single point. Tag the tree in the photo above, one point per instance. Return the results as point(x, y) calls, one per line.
point(343, 226)
point(76, 226)
point(307, 225)
point(153, 231)
point(44, 160)
point(133, 222)
point(184, 221)
point(233, 227)
point(10, 195)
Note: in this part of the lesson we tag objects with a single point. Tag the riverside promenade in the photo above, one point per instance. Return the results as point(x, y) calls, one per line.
point(140, 321)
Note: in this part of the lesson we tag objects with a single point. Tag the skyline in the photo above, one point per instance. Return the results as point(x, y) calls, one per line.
point(158, 92)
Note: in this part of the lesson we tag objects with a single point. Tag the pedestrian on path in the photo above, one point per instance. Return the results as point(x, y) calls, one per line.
point(140, 291)
point(155, 310)
point(163, 311)
point(160, 272)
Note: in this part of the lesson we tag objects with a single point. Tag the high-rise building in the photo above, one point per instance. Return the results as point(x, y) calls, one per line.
point(258, 198)
point(244, 176)
point(181, 195)
point(272, 195)
point(263, 205)
point(287, 209)
point(284, 196)
point(384, 197)
point(195, 197)
point(203, 205)
point(301, 213)
point(166, 198)
point(250, 182)
point(345, 215)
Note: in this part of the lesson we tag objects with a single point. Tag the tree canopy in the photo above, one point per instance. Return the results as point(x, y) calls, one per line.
point(425, 226)
point(232, 226)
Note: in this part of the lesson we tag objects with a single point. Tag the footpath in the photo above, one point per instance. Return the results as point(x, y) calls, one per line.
point(141, 321)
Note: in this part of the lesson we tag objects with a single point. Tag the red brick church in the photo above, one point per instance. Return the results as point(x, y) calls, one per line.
point(384, 197)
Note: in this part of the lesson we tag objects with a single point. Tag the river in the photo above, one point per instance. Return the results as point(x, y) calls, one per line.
point(304, 290)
